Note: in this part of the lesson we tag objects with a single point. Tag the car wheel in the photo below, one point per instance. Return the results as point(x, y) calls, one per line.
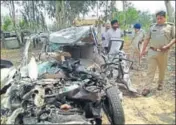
point(113, 107)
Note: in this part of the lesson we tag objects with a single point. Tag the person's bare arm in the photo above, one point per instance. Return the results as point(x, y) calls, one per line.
point(173, 41)
point(107, 38)
point(146, 42)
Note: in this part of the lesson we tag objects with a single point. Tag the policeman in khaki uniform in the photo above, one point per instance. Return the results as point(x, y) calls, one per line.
point(160, 37)
point(135, 42)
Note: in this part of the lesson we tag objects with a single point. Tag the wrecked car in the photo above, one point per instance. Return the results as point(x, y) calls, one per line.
point(5, 64)
point(59, 87)
point(117, 65)
point(5, 67)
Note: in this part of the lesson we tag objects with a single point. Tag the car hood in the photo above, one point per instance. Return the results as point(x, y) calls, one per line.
point(70, 35)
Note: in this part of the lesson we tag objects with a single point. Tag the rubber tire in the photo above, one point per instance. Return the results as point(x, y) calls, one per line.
point(115, 106)
point(5, 64)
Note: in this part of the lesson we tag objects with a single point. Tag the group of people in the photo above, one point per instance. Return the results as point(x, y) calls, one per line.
point(159, 39)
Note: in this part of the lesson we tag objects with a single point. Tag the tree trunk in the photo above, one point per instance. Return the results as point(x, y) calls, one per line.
point(113, 3)
point(169, 10)
point(99, 30)
point(12, 13)
point(97, 8)
point(112, 8)
point(57, 14)
point(33, 14)
point(124, 2)
point(63, 14)
point(106, 12)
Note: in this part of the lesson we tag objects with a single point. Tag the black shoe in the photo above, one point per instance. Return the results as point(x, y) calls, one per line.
point(160, 87)
point(145, 92)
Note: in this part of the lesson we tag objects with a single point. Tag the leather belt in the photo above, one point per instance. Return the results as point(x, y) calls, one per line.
point(155, 49)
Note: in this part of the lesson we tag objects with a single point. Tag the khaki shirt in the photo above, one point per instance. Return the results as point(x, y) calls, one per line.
point(138, 37)
point(160, 35)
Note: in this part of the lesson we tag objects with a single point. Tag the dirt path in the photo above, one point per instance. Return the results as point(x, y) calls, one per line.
point(158, 108)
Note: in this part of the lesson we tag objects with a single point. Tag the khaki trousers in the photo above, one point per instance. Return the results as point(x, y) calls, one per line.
point(135, 56)
point(159, 60)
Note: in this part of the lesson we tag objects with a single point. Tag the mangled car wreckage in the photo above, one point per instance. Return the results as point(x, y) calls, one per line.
point(58, 86)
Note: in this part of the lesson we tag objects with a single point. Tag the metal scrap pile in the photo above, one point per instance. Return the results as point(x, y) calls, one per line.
point(59, 89)
point(34, 100)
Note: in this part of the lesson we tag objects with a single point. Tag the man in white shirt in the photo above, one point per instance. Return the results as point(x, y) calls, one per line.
point(113, 33)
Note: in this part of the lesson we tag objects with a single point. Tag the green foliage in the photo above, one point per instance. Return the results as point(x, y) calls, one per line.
point(72, 9)
point(32, 15)
point(145, 19)
point(22, 24)
point(119, 15)
point(132, 16)
point(7, 23)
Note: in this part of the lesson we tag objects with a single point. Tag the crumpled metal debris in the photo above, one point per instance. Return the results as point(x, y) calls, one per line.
point(35, 97)
point(8, 77)
point(54, 55)
point(125, 79)
point(12, 118)
point(39, 96)
point(33, 69)
point(49, 71)
point(4, 73)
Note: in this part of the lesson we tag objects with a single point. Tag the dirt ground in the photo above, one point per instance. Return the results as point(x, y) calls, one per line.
point(157, 108)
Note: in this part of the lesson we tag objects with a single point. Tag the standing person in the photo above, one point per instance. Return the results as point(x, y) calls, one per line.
point(160, 36)
point(135, 44)
point(113, 32)
point(104, 42)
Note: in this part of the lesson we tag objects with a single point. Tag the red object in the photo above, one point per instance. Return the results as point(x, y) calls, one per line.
point(65, 107)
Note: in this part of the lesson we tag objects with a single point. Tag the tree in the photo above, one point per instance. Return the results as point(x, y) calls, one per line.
point(113, 9)
point(7, 23)
point(22, 24)
point(145, 19)
point(66, 11)
point(32, 14)
point(124, 2)
point(170, 11)
point(11, 6)
point(132, 15)
point(106, 11)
